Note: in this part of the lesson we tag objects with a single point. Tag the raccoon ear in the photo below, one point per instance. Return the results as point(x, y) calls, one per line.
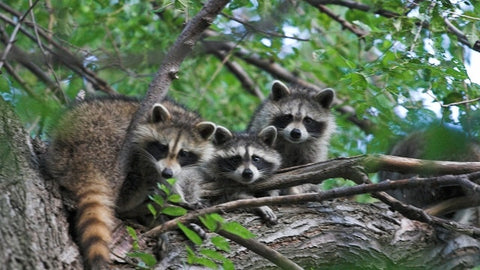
point(268, 135)
point(222, 135)
point(159, 114)
point(279, 90)
point(206, 129)
point(325, 98)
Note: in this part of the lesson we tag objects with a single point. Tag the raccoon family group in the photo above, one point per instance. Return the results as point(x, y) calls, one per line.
point(291, 127)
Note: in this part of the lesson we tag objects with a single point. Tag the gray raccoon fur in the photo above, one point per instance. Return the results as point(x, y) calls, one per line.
point(84, 149)
point(244, 158)
point(304, 123)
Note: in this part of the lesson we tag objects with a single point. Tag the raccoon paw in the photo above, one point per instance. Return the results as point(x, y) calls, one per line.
point(267, 214)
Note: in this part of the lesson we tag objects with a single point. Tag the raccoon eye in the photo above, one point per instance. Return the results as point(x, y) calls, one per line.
point(255, 158)
point(282, 121)
point(187, 157)
point(307, 120)
point(157, 150)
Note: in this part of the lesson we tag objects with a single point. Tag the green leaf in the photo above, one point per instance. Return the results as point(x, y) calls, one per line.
point(228, 265)
point(193, 259)
point(152, 210)
point(237, 229)
point(171, 181)
point(157, 199)
point(220, 243)
point(190, 234)
point(174, 211)
point(209, 222)
point(174, 198)
point(148, 259)
point(212, 254)
point(131, 231)
point(164, 188)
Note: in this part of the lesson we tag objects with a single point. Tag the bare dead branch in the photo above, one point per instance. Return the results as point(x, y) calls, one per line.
point(415, 213)
point(19, 79)
point(14, 34)
point(345, 24)
point(322, 196)
point(262, 250)
point(259, 30)
point(247, 83)
point(356, 5)
point(63, 54)
point(281, 73)
point(461, 36)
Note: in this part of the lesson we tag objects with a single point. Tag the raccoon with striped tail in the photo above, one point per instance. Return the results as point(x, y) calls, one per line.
point(84, 149)
point(244, 158)
point(304, 122)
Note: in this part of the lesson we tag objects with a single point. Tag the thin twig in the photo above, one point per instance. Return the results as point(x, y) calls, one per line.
point(346, 24)
point(65, 56)
point(58, 89)
point(356, 5)
point(262, 250)
point(257, 29)
point(14, 34)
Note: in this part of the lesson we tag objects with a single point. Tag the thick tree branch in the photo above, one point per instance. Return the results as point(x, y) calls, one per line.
point(413, 183)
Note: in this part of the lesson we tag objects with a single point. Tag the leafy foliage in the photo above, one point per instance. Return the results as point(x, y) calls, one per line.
point(396, 76)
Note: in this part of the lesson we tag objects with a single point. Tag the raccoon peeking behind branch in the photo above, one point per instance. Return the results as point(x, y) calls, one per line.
point(304, 123)
point(244, 158)
point(435, 143)
point(84, 150)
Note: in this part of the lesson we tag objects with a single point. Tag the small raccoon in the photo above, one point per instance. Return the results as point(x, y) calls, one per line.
point(434, 143)
point(304, 123)
point(245, 158)
point(84, 150)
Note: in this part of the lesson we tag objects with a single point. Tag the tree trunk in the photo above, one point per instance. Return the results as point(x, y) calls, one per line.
point(333, 234)
point(34, 228)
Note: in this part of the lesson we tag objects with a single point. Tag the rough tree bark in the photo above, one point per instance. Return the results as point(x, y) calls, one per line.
point(330, 234)
point(34, 228)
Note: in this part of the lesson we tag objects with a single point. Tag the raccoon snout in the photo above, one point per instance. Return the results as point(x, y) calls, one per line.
point(296, 133)
point(167, 173)
point(247, 174)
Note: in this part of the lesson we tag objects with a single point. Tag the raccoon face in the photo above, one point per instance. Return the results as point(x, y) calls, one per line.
point(246, 158)
point(300, 116)
point(170, 145)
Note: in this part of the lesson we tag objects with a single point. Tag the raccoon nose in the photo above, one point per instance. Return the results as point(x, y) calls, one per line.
point(167, 173)
point(247, 174)
point(296, 133)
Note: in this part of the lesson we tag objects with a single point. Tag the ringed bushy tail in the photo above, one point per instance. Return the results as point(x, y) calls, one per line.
point(94, 223)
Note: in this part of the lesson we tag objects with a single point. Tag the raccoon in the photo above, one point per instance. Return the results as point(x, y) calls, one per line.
point(436, 142)
point(304, 123)
point(84, 149)
point(245, 158)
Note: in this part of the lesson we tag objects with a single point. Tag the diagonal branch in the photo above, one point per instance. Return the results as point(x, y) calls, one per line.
point(63, 54)
point(376, 189)
point(355, 5)
point(262, 250)
point(9, 44)
point(345, 24)
point(283, 74)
